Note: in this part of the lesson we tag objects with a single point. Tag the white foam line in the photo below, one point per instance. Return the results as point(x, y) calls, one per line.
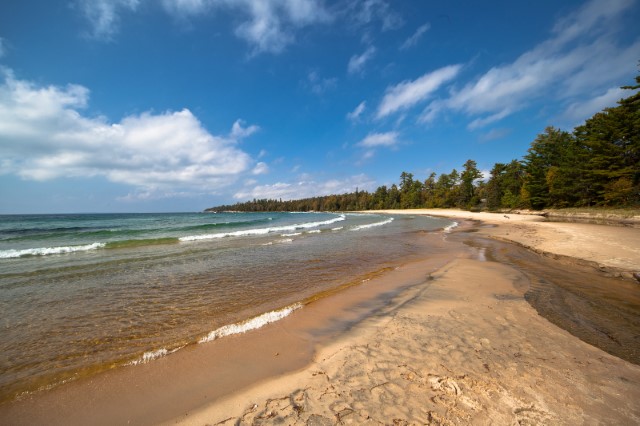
point(448, 229)
point(252, 324)
point(9, 254)
point(226, 330)
point(371, 225)
point(263, 231)
point(153, 355)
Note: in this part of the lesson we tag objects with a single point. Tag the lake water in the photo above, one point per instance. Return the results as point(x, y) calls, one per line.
point(80, 294)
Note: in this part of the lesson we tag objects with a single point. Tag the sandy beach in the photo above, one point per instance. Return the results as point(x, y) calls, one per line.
point(445, 340)
point(611, 248)
point(462, 347)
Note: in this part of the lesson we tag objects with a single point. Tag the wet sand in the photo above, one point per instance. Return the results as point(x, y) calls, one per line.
point(191, 378)
point(614, 249)
point(466, 347)
point(447, 340)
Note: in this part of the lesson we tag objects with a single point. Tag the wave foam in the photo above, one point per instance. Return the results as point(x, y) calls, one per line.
point(263, 231)
point(43, 251)
point(371, 225)
point(448, 229)
point(153, 355)
point(252, 324)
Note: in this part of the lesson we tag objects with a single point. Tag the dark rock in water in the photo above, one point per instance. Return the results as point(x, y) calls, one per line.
point(636, 275)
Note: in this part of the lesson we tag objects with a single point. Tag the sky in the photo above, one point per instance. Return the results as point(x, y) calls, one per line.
point(180, 105)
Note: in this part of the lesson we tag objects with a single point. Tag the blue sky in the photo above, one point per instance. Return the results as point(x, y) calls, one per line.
point(179, 105)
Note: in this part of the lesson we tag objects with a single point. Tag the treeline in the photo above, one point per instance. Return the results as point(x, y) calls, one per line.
point(598, 164)
point(343, 202)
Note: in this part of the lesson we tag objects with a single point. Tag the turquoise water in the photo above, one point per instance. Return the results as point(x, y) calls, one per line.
point(83, 293)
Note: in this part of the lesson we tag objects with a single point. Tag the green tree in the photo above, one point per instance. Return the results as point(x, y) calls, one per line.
point(495, 186)
point(504, 188)
point(446, 189)
point(380, 198)
point(467, 189)
point(428, 190)
point(548, 165)
point(612, 140)
point(393, 200)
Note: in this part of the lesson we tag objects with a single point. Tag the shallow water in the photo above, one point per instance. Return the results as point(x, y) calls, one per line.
point(84, 293)
point(598, 309)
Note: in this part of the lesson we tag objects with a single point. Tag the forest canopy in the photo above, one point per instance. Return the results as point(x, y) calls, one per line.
point(598, 164)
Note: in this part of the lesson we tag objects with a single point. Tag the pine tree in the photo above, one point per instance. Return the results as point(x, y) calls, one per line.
point(546, 164)
point(612, 140)
point(467, 189)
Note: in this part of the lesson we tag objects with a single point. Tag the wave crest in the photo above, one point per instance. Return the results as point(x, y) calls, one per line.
point(371, 225)
point(43, 251)
point(252, 324)
point(448, 229)
point(263, 231)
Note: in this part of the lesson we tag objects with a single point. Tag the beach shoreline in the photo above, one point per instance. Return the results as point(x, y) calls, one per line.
point(455, 343)
point(611, 249)
point(464, 347)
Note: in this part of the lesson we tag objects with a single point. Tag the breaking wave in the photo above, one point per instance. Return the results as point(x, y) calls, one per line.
point(251, 324)
point(152, 355)
point(371, 225)
point(43, 251)
point(448, 229)
point(263, 231)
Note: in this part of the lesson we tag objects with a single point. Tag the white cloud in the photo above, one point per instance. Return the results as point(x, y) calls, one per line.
point(494, 134)
point(356, 113)
point(367, 11)
point(260, 169)
point(266, 25)
point(271, 23)
point(187, 7)
point(320, 85)
point(374, 140)
point(409, 93)
point(148, 195)
point(357, 62)
point(413, 40)
point(481, 122)
point(592, 18)
point(432, 111)
point(239, 132)
point(44, 135)
point(580, 57)
point(578, 111)
point(306, 188)
point(103, 15)
point(367, 155)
